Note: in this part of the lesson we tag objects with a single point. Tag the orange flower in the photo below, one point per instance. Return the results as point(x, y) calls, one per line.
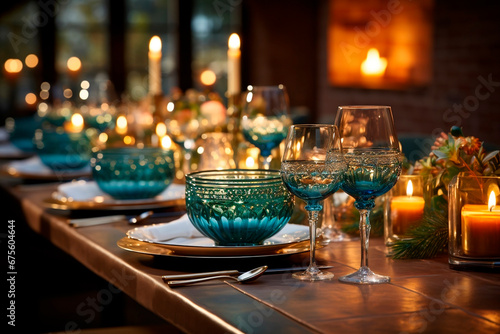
point(471, 145)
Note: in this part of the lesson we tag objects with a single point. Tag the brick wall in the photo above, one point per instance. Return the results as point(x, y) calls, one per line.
point(466, 54)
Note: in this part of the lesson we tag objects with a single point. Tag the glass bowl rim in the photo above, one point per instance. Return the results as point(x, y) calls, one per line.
point(215, 177)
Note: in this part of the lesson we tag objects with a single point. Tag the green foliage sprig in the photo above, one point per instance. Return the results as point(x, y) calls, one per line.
point(451, 154)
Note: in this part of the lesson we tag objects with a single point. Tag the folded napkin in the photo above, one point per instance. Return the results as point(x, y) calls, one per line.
point(180, 228)
point(31, 165)
point(34, 165)
point(182, 231)
point(8, 149)
point(81, 191)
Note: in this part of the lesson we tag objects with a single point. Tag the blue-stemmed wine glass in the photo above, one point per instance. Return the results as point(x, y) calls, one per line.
point(371, 151)
point(312, 169)
point(265, 118)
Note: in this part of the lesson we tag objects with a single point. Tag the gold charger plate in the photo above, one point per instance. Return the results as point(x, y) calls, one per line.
point(61, 201)
point(42, 176)
point(147, 248)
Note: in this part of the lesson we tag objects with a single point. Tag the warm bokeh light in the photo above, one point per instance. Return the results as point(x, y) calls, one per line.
point(166, 142)
point(84, 94)
point(170, 106)
point(155, 44)
point(250, 162)
point(128, 140)
point(103, 137)
point(45, 86)
point(74, 64)
point(68, 93)
point(30, 98)
point(85, 84)
point(234, 41)
point(161, 129)
point(13, 65)
point(31, 60)
point(373, 65)
point(77, 120)
point(44, 94)
point(121, 124)
point(208, 77)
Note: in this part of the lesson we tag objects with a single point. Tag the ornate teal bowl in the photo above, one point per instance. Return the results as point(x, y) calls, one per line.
point(238, 207)
point(132, 173)
point(63, 151)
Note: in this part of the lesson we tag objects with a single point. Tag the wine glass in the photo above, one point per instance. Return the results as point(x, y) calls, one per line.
point(265, 118)
point(371, 151)
point(312, 169)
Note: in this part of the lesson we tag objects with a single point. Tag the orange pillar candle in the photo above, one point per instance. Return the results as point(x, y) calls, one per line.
point(406, 210)
point(481, 229)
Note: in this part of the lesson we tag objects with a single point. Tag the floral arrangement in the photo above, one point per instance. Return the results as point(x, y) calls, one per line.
point(452, 153)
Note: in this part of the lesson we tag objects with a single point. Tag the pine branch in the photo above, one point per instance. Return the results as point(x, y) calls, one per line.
point(426, 240)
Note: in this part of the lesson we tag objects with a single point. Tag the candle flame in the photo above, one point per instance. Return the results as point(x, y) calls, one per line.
point(155, 44)
point(166, 142)
point(409, 189)
point(373, 65)
point(77, 121)
point(492, 201)
point(121, 124)
point(234, 41)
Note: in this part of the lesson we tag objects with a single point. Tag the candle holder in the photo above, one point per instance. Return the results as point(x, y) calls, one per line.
point(403, 207)
point(474, 222)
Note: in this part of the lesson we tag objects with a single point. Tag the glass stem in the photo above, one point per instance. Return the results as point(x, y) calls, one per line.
point(266, 161)
point(364, 233)
point(313, 219)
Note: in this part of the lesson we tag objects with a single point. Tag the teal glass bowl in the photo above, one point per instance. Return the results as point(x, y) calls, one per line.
point(63, 151)
point(238, 207)
point(133, 173)
point(22, 131)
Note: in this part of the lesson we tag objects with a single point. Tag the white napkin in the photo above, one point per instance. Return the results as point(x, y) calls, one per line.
point(31, 165)
point(8, 149)
point(178, 231)
point(35, 166)
point(82, 191)
point(179, 228)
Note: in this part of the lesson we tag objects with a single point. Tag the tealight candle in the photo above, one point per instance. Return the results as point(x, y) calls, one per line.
point(406, 210)
point(481, 229)
point(75, 124)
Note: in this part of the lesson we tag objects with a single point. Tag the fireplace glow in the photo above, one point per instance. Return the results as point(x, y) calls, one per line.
point(373, 65)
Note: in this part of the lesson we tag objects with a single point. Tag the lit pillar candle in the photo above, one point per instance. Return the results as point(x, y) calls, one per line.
point(154, 56)
point(406, 210)
point(233, 65)
point(481, 229)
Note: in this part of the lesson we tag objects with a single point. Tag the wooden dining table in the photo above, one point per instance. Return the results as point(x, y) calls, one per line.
point(424, 296)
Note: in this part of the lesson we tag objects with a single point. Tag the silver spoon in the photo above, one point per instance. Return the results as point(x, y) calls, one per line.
point(243, 278)
point(140, 218)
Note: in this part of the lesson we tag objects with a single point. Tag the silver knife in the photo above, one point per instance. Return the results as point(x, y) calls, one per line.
point(233, 272)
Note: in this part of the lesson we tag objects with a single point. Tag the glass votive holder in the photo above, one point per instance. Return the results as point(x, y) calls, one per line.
point(403, 207)
point(474, 222)
point(61, 150)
